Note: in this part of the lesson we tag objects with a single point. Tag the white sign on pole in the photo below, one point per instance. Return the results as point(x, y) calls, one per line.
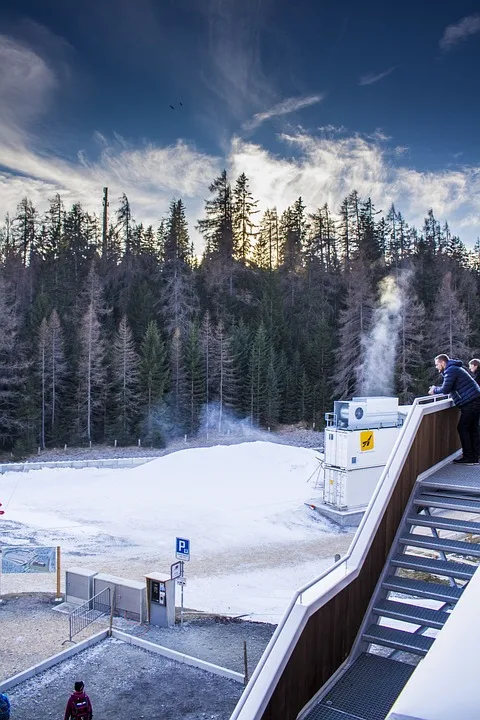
point(182, 580)
point(176, 570)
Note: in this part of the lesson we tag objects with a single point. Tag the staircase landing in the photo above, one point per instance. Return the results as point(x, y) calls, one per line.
point(366, 691)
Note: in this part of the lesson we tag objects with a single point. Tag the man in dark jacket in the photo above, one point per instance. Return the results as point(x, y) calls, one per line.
point(79, 706)
point(474, 367)
point(465, 393)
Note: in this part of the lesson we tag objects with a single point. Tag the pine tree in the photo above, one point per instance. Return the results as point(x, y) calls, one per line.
point(177, 241)
point(125, 225)
point(410, 367)
point(354, 323)
point(217, 226)
point(91, 363)
point(125, 371)
point(263, 381)
point(13, 370)
point(153, 375)
point(224, 379)
point(52, 371)
point(207, 343)
point(24, 230)
point(449, 332)
point(244, 229)
point(194, 378)
point(266, 249)
point(178, 385)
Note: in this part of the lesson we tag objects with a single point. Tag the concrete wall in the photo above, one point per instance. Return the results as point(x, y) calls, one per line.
point(111, 463)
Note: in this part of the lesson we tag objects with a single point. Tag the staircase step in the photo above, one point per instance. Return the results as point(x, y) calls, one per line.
point(398, 639)
point(464, 479)
point(439, 500)
point(443, 523)
point(411, 613)
point(448, 568)
point(422, 589)
point(441, 544)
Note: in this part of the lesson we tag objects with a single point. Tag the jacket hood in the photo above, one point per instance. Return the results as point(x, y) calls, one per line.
point(454, 363)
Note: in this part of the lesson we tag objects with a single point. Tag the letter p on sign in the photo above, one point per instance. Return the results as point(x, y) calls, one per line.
point(182, 549)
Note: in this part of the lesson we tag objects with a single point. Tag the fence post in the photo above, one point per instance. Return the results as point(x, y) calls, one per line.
point(245, 662)
point(112, 605)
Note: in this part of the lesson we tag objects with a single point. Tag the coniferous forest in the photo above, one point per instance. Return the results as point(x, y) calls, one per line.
point(113, 330)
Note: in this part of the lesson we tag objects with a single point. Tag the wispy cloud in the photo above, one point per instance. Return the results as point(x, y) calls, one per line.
point(327, 169)
point(372, 78)
point(149, 175)
point(455, 33)
point(324, 168)
point(290, 105)
point(26, 84)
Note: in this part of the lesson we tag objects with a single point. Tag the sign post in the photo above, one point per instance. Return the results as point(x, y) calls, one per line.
point(59, 597)
point(182, 552)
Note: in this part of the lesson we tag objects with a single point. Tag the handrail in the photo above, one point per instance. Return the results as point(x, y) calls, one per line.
point(298, 594)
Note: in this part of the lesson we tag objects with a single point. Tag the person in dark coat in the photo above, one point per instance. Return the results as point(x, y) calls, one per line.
point(465, 393)
point(474, 367)
point(79, 706)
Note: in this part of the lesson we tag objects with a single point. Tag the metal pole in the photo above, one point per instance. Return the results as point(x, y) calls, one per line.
point(181, 607)
point(245, 662)
point(58, 574)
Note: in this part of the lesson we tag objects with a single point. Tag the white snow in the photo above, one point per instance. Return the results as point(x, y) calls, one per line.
point(253, 541)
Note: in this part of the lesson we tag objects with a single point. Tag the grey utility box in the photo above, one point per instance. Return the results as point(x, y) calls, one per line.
point(78, 585)
point(130, 598)
point(160, 599)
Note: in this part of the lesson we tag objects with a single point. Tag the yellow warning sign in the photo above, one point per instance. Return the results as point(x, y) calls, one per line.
point(367, 440)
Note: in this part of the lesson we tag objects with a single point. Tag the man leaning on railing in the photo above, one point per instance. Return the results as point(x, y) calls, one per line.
point(465, 394)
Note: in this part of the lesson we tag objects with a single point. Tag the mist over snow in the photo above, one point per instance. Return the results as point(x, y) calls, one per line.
point(253, 540)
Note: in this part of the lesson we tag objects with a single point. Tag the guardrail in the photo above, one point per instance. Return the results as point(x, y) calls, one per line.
point(332, 571)
point(91, 610)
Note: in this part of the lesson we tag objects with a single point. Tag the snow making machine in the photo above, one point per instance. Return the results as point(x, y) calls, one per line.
point(359, 437)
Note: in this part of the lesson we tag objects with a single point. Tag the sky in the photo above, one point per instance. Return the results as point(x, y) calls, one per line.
point(155, 97)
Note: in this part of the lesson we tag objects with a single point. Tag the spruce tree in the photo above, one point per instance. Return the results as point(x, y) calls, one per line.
point(153, 376)
point(244, 229)
point(125, 373)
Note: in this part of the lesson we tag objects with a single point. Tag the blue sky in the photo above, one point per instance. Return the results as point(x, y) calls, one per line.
point(308, 98)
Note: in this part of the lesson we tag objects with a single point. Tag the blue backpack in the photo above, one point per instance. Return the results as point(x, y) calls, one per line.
point(4, 707)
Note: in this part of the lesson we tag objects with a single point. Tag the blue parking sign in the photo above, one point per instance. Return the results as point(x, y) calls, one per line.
point(182, 549)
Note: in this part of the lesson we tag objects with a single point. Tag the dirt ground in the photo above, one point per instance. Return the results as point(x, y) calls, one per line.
point(124, 681)
point(120, 675)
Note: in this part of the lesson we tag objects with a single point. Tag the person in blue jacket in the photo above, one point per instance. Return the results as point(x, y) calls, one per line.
point(465, 393)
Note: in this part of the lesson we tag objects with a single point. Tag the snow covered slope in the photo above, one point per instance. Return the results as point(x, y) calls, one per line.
point(242, 506)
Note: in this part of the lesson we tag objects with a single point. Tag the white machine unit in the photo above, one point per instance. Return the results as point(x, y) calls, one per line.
point(365, 412)
point(359, 437)
point(350, 489)
point(356, 449)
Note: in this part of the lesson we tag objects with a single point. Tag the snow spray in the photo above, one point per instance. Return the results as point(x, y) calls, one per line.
point(378, 369)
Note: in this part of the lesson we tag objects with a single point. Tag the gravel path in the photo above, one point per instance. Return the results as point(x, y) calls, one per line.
point(124, 681)
point(114, 671)
point(32, 632)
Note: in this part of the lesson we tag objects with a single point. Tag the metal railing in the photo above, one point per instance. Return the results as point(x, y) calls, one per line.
point(91, 610)
point(297, 598)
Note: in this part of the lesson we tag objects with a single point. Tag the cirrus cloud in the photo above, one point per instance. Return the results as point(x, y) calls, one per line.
point(463, 29)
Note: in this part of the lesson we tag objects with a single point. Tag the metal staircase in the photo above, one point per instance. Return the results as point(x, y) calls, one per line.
point(435, 553)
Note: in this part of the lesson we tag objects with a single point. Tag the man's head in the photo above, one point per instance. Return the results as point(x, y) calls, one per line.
point(79, 685)
point(473, 365)
point(441, 362)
